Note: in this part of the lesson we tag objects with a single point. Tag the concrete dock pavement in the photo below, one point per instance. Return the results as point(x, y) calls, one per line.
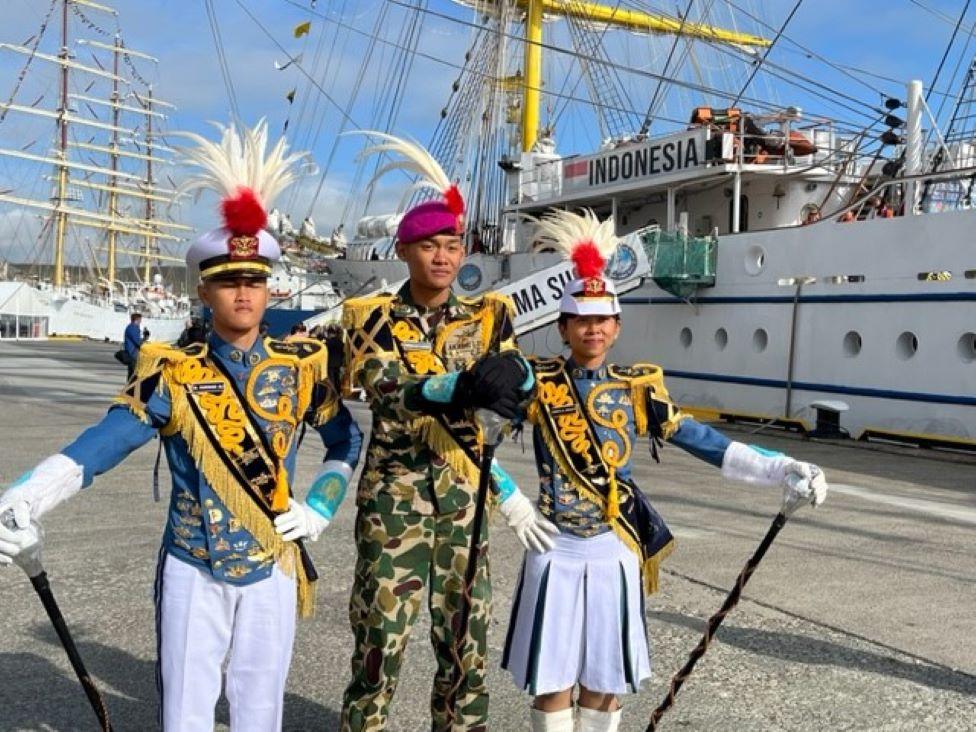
point(861, 617)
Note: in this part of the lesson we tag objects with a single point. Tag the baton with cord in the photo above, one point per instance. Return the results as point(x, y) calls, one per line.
point(492, 425)
point(30, 562)
point(716, 620)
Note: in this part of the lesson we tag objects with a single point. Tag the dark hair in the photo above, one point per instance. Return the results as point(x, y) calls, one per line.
point(134, 317)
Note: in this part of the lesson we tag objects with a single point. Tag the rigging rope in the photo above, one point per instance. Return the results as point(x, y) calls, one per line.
point(646, 124)
point(945, 55)
point(222, 60)
point(758, 103)
point(23, 72)
point(769, 48)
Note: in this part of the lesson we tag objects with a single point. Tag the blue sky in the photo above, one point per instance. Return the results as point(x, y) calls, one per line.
point(893, 38)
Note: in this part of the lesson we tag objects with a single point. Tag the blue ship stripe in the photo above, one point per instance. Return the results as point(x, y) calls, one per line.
point(913, 396)
point(783, 299)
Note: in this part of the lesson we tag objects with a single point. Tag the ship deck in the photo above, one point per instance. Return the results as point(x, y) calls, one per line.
point(860, 617)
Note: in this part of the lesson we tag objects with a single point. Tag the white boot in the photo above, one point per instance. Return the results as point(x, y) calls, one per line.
point(593, 720)
point(561, 721)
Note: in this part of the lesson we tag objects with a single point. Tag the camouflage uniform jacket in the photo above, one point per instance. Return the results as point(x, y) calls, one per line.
point(414, 463)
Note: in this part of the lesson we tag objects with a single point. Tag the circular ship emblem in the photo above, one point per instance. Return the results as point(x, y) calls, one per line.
point(469, 277)
point(624, 263)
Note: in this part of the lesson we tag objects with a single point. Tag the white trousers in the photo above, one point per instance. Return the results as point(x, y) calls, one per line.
point(201, 623)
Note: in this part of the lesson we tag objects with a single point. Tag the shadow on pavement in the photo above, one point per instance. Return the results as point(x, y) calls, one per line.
point(51, 697)
point(795, 648)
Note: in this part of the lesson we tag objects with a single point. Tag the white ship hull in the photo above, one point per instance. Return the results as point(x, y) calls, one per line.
point(915, 370)
point(29, 312)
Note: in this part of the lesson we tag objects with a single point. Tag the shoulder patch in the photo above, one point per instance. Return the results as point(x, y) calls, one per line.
point(546, 365)
point(300, 347)
point(637, 370)
point(194, 350)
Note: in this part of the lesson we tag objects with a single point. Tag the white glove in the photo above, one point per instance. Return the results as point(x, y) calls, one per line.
point(533, 531)
point(745, 463)
point(300, 521)
point(53, 481)
point(21, 540)
point(804, 483)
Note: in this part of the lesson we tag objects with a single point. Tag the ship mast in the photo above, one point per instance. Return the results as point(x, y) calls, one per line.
point(61, 220)
point(114, 157)
point(150, 237)
point(633, 20)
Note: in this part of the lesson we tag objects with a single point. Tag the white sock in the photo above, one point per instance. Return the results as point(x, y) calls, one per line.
point(593, 720)
point(561, 721)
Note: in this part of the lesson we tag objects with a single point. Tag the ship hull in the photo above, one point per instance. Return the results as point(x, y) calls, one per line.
point(30, 312)
point(865, 307)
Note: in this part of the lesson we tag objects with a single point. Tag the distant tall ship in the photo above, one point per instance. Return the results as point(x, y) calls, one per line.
point(98, 188)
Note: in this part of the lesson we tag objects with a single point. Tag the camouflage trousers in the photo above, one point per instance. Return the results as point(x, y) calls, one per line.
point(399, 556)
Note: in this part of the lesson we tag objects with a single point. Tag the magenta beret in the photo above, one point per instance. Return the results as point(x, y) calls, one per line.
point(426, 220)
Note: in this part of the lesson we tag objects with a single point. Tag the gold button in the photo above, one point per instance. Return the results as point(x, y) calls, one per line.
point(208, 503)
point(218, 564)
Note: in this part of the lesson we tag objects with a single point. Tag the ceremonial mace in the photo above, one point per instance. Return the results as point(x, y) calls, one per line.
point(730, 602)
point(492, 426)
point(30, 562)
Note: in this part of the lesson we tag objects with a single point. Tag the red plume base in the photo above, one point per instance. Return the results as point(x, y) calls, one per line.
point(243, 213)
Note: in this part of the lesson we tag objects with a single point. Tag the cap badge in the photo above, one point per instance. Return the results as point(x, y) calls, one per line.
point(243, 247)
point(594, 287)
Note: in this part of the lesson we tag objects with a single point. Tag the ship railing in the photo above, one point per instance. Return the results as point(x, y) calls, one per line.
point(892, 194)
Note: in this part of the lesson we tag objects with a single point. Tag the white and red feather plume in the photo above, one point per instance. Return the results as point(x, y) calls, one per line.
point(242, 171)
point(581, 238)
point(414, 158)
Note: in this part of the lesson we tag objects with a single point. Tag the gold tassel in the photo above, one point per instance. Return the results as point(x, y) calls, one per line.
point(279, 500)
point(638, 400)
point(613, 497)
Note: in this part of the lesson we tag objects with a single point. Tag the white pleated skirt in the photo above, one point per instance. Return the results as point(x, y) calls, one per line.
point(578, 618)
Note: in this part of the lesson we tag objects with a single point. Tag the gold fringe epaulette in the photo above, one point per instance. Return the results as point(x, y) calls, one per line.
point(646, 383)
point(153, 355)
point(489, 299)
point(357, 310)
point(153, 358)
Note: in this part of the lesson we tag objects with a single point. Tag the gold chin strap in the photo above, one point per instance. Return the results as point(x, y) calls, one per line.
point(257, 268)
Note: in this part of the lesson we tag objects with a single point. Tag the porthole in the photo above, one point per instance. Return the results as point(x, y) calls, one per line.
point(967, 347)
point(755, 260)
point(852, 343)
point(685, 337)
point(721, 338)
point(907, 345)
point(760, 339)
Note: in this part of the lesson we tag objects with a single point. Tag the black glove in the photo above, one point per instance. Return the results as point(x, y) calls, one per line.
point(498, 377)
point(508, 407)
